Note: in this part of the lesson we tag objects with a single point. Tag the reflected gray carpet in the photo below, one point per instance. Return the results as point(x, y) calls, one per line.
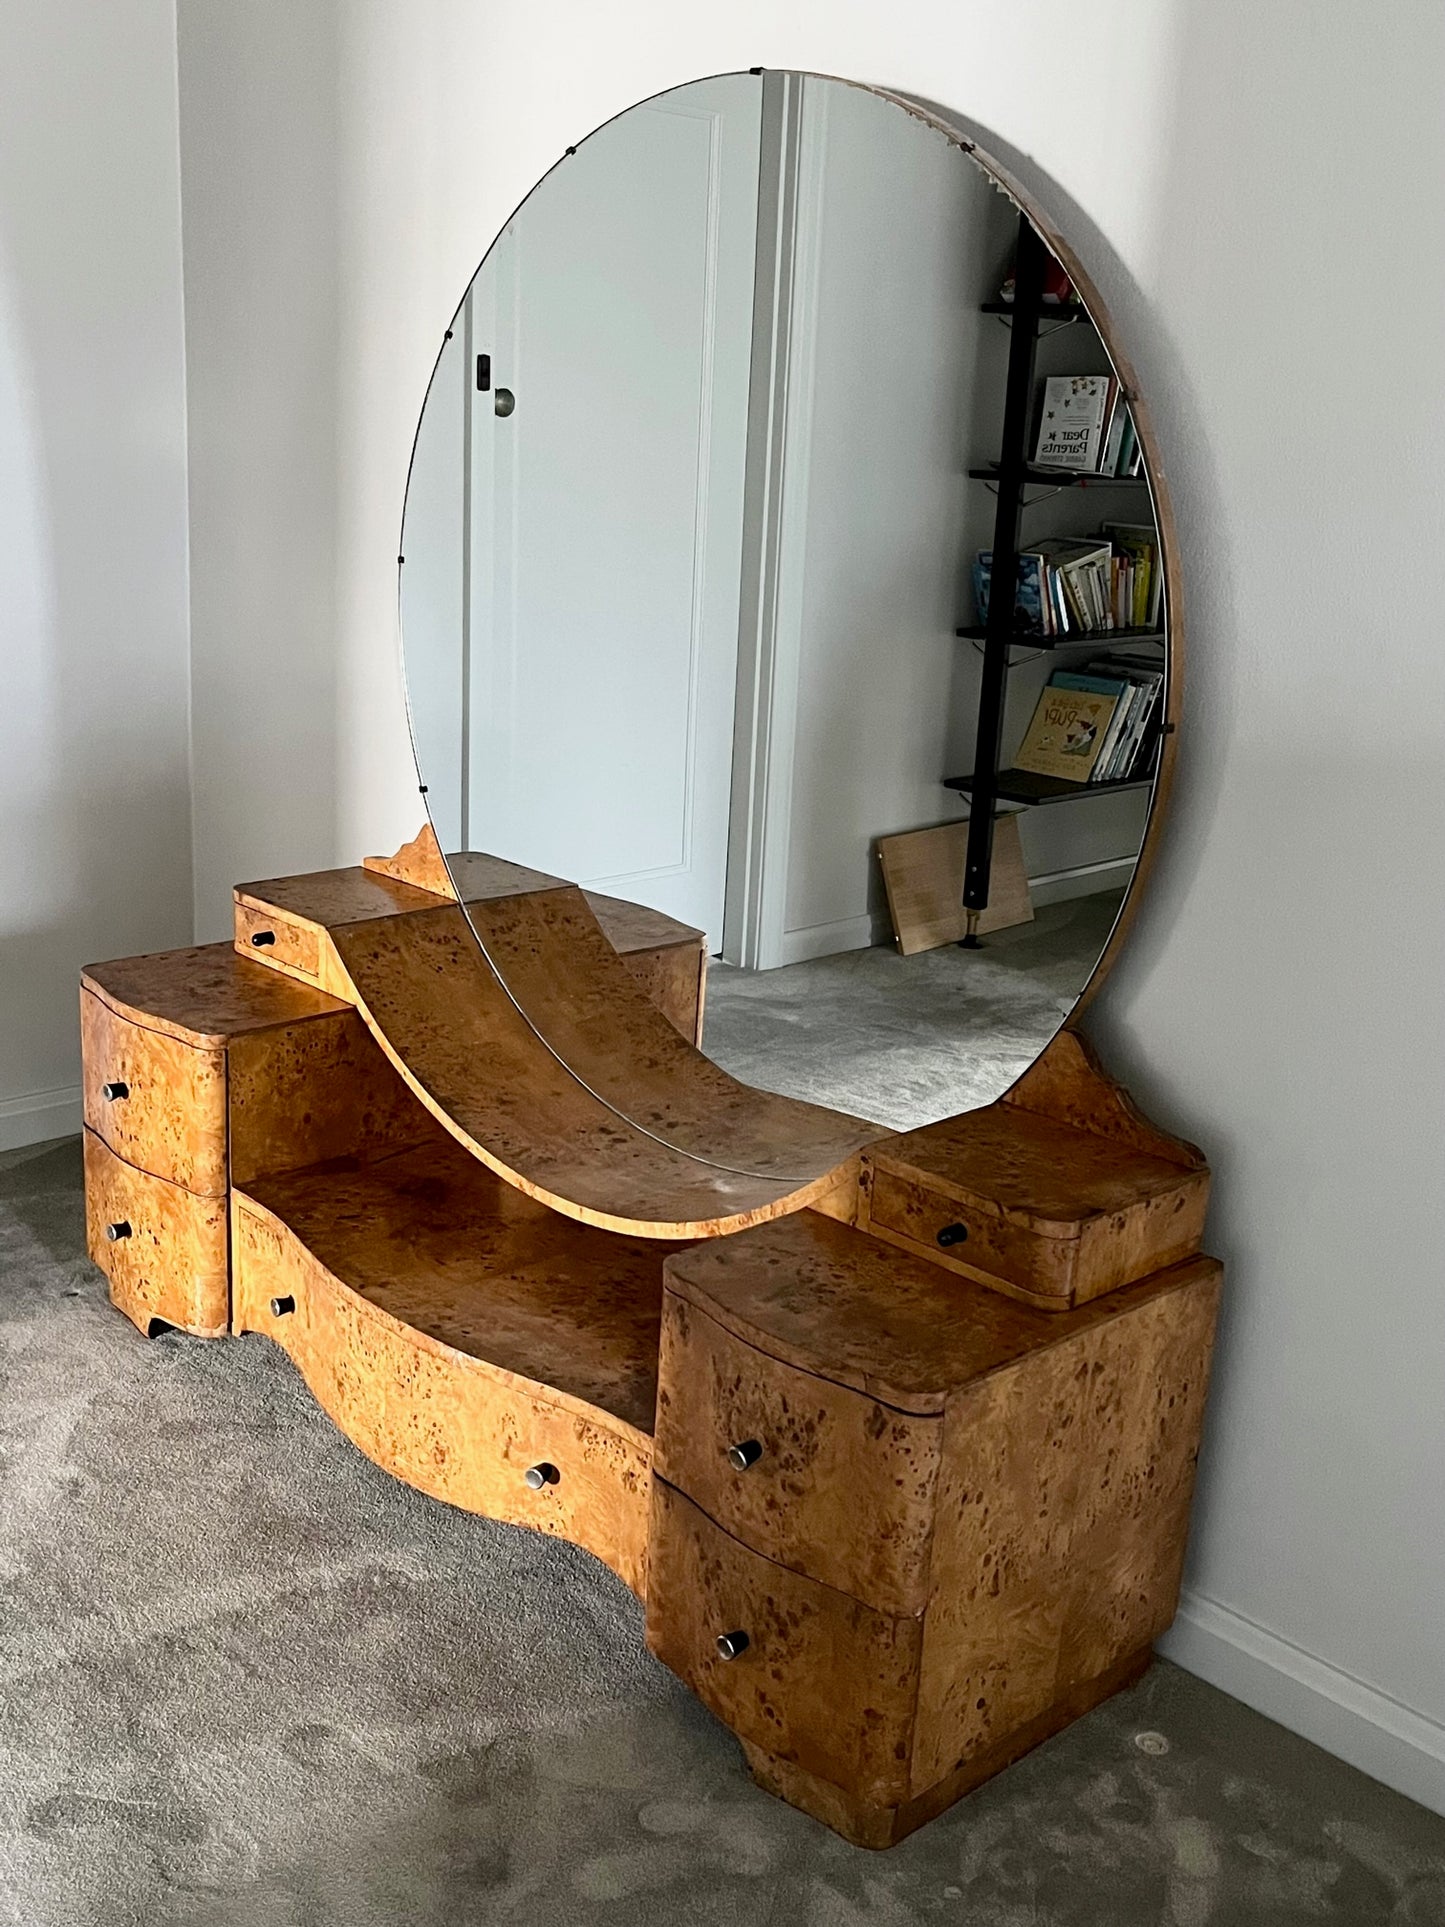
point(247, 1680)
point(907, 1040)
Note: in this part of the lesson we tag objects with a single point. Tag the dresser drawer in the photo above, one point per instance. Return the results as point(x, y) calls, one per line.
point(445, 1421)
point(968, 1235)
point(1037, 1209)
point(163, 1248)
point(829, 1483)
point(823, 1681)
point(157, 1102)
point(277, 940)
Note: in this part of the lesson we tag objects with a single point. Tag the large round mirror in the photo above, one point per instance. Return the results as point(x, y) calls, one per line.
point(701, 613)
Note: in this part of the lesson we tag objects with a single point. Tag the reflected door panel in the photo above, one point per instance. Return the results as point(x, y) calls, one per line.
point(606, 509)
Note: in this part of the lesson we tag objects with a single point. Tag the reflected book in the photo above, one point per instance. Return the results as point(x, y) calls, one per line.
point(1028, 593)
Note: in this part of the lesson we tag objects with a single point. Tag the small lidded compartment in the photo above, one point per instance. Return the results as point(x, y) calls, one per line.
point(1057, 1194)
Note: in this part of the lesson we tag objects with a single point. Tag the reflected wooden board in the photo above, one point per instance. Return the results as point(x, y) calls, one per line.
point(923, 876)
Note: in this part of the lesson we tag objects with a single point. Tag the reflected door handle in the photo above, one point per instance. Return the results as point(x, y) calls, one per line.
point(504, 401)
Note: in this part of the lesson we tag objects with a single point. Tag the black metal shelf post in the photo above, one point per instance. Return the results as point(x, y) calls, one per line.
point(1029, 267)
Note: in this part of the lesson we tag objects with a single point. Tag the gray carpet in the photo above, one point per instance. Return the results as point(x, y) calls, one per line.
point(247, 1678)
point(908, 1040)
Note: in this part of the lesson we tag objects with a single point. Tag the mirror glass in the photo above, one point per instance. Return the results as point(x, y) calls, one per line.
point(697, 551)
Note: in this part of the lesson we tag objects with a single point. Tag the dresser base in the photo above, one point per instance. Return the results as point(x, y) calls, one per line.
point(866, 1825)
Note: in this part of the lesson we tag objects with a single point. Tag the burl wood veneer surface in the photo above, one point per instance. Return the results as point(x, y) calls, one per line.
point(171, 1120)
point(833, 1301)
point(172, 1265)
point(1070, 1085)
point(1063, 1508)
point(844, 1487)
point(441, 1013)
point(452, 1424)
point(826, 1681)
point(553, 956)
point(349, 895)
point(441, 1244)
point(204, 996)
point(1046, 1174)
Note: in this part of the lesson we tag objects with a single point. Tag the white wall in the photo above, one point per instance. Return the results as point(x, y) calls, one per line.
point(1264, 218)
point(894, 386)
point(95, 856)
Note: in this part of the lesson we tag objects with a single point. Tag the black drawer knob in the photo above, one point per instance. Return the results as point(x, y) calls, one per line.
point(741, 1456)
point(118, 1089)
point(283, 1307)
point(732, 1645)
point(261, 939)
point(115, 1232)
point(537, 1476)
point(952, 1234)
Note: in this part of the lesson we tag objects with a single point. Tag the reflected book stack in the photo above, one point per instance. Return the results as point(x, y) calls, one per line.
point(1098, 725)
point(1084, 586)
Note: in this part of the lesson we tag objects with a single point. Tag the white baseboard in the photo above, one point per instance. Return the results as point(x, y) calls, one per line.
point(1356, 1722)
point(829, 939)
point(1058, 886)
point(39, 1115)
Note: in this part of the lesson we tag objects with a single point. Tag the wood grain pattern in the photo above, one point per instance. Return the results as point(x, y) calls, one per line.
point(844, 1488)
point(1068, 1084)
point(287, 944)
point(444, 1246)
point(1052, 1212)
point(456, 1349)
point(313, 1090)
point(869, 1824)
point(172, 1266)
point(1062, 1516)
point(672, 980)
point(839, 1305)
point(552, 955)
point(439, 1011)
point(172, 1119)
point(419, 862)
point(923, 879)
point(826, 1683)
point(203, 996)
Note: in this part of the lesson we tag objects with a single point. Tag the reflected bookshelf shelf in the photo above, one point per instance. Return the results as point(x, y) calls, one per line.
point(1100, 639)
point(1059, 311)
point(1056, 478)
point(1023, 786)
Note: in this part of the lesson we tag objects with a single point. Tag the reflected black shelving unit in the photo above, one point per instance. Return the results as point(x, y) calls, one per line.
point(1012, 476)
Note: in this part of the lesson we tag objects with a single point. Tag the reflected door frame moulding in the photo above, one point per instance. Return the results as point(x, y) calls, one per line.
point(785, 313)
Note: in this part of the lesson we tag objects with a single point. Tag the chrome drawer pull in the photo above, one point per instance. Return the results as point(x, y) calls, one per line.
point(732, 1645)
point(261, 938)
point(282, 1307)
point(115, 1232)
point(952, 1234)
point(110, 1092)
point(740, 1457)
point(537, 1476)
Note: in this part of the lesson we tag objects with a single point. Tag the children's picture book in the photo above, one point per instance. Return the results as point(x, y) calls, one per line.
point(1066, 734)
point(1097, 683)
point(1074, 421)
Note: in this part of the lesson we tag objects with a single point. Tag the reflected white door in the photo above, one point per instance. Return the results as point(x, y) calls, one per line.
point(606, 509)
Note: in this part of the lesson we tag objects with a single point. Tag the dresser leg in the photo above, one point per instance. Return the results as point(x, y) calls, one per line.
point(866, 1825)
